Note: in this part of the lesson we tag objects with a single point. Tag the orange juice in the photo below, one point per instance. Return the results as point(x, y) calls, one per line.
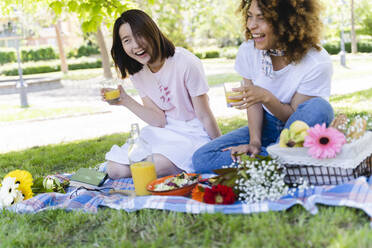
point(112, 95)
point(143, 173)
point(231, 93)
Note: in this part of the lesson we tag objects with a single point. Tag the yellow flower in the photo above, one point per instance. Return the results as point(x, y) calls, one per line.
point(25, 182)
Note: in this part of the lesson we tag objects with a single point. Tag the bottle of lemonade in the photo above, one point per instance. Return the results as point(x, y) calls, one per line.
point(141, 162)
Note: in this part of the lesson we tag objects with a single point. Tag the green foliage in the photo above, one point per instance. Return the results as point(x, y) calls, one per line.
point(92, 12)
point(334, 47)
point(7, 56)
point(207, 53)
point(52, 68)
point(84, 51)
point(46, 53)
point(212, 54)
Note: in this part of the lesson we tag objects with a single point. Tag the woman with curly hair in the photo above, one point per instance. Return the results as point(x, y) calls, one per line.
point(286, 77)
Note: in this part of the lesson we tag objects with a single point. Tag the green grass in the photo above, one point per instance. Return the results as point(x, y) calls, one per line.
point(331, 227)
point(355, 102)
point(222, 78)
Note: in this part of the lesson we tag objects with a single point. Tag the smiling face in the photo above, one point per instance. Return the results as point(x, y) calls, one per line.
point(135, 47)
point(261, 30)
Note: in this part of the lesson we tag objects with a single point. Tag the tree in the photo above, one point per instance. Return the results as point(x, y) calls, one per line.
point(37, 14)
point(354, 48)
point(93, 13)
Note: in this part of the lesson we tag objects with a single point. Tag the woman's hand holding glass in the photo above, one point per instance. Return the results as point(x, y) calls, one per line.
point(250, 95)
point(114, 96)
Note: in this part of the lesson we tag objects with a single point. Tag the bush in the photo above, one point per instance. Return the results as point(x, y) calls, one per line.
point(207, 54)
point(85, 65)
point(334, 48)
point(212, 54)
point(41, 54)
point(86, 50)
point(52, 68)
point(199, 55)
point(7, 57)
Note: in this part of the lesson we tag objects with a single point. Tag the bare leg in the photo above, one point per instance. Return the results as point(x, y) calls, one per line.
point(164, 166)
point(116, 170)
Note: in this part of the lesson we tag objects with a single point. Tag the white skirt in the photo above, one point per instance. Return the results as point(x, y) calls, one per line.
point(177, 141)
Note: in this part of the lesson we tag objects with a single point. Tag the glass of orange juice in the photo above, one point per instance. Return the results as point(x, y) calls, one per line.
point(228, 86)
point(112, 95)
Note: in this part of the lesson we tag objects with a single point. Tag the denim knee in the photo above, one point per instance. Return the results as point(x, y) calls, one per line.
point(198, 158)
point(313, 111)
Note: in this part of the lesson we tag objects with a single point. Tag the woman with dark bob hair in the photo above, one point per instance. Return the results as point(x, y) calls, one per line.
point(286, 77)
point(173, 88)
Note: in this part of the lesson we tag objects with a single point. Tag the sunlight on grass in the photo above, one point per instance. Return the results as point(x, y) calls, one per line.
point(222, 78)
point(355, 102)
point(10, 113)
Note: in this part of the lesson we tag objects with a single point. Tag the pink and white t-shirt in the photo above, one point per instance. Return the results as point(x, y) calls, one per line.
point(171, 88)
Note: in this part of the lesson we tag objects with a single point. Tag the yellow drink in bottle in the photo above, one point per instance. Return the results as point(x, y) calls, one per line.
point(143, 173)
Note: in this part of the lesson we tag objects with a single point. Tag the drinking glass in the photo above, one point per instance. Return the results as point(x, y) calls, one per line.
point(228, 86)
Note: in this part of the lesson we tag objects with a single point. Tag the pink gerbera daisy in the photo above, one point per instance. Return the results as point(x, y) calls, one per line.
point(324, 142)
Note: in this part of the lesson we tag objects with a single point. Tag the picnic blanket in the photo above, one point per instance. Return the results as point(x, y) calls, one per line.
point(356, 194)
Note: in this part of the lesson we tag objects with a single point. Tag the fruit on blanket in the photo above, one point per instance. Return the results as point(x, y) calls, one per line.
point(294, 136)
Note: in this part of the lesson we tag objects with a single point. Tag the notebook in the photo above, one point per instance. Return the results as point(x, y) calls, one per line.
point(88, 178)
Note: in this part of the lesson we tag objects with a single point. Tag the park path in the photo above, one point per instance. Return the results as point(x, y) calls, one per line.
point(110, 119)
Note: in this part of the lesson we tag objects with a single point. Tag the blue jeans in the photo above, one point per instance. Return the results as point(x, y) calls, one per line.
point(210, 156)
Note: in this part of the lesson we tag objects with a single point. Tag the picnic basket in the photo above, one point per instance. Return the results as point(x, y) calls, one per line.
point(354, 160)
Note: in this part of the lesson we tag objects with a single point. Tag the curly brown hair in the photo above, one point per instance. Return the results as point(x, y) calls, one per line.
point(296, 23)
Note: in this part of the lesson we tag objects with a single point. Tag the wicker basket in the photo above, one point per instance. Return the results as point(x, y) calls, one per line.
point(355, 160)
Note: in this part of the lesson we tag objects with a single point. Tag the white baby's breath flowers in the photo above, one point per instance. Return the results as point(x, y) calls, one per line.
point(260, 180)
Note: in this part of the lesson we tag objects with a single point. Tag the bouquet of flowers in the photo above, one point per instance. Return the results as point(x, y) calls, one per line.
point(251, 180)
point(19, 185)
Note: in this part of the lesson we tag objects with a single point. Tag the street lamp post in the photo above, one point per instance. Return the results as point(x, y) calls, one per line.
point(21, 85)
point(342, 42)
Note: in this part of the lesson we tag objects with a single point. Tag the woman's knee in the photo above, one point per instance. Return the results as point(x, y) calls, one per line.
point(116, 170)
point(313, 111)
point(203, 154)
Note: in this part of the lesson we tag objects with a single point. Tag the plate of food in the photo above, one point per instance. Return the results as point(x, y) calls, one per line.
point(180, 184)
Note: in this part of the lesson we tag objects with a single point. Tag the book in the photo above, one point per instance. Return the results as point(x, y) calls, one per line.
point(88, 178)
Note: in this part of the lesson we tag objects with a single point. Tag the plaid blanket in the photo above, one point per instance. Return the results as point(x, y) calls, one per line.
point(356, 194)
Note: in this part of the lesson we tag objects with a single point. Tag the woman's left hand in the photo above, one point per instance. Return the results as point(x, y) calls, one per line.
point(236, 151)
point(250, 95)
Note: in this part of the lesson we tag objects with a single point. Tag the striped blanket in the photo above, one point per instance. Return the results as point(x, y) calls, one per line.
point(356, 194)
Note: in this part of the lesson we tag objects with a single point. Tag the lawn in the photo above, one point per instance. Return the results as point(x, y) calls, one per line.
point(331, 227)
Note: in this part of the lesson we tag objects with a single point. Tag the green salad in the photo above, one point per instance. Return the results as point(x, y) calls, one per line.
point(176, 182)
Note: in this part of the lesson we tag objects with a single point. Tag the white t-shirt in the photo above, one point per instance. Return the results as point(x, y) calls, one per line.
point(171, 88)
point(311, 76)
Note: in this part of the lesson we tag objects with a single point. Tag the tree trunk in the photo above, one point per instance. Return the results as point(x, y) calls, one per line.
point(354, 48)
point(104, 54)
point(59, 38)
